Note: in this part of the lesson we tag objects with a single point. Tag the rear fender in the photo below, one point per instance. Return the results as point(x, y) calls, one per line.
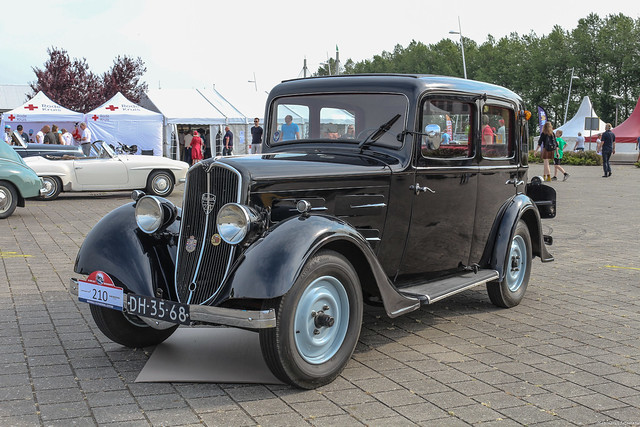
point(140, 263)
point(271, 265)
point(519, 207)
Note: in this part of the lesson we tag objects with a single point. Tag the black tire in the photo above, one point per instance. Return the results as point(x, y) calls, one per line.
point(8, 199)
point(294, 353)
point(53, 185)
point(160, 183)
point(510, 291)
point(130, 331)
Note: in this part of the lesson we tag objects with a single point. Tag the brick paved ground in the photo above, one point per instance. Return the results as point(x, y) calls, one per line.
point(569, 354)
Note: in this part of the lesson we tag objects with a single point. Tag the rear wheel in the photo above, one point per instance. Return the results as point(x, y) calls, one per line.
point(160, 183)
point(128, 330)
point(8, 199)
point(510, 291)
point(53, 187)
point(318, 323)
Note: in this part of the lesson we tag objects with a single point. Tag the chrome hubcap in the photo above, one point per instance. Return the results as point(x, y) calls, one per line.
point(161, 184)
point(5, 200)
point(517, 264)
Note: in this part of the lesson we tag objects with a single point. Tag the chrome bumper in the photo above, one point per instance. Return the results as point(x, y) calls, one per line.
point(249, 319)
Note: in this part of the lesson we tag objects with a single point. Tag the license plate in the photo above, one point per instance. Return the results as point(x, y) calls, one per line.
point(103, 295)
point(159, 309)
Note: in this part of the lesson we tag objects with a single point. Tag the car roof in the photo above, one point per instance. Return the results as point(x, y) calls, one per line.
point(405, 83)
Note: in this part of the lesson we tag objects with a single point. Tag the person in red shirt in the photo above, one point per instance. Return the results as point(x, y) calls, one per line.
point(196, 148)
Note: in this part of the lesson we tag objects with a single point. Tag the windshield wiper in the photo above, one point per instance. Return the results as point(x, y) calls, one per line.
point(377, 134)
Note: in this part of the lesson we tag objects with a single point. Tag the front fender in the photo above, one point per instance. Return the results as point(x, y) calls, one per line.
point(271, 265)
point(140, 263)
point(519, 207)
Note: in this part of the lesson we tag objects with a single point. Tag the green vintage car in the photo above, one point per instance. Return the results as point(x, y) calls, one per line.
point(17, 181)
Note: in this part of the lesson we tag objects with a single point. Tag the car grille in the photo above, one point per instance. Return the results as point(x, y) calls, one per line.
point(203, 259)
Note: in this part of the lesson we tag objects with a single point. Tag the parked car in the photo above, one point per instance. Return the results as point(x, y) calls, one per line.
point(357, 198)
point(105, 170)
point(18, 182)
point(32, 149)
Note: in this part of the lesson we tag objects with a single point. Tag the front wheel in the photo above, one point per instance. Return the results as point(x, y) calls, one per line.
point(160, 183)
point(128, 330)
point(53, 187)
point(510, 291)
point(8, 199)
point(318, 323)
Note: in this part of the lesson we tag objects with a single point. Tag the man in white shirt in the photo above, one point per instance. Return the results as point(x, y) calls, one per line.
point(579, 143)
point(7, 134)
point(85, 139)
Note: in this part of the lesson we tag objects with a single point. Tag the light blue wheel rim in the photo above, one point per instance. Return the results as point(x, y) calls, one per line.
point(517, 264)
point(316, 345)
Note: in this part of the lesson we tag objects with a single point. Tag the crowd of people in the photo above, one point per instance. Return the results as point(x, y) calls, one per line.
point(80, 136)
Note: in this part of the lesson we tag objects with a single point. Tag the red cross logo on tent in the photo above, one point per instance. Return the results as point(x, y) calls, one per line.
point(94, 117)
point(31, 107)
point(111, 107)
point(11, 117)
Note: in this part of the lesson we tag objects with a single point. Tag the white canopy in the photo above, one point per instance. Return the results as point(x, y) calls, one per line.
point(193, 106)
point(577, 122)
point(40, 111)
point(120, 120)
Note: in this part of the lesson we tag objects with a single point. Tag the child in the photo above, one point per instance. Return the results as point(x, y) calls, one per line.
point(557, 157)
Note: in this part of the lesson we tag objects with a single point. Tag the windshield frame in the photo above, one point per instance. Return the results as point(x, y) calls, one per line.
point(294, 99)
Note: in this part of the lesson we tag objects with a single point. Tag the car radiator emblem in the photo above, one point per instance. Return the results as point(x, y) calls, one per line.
point(208, 202)
point(191, 244)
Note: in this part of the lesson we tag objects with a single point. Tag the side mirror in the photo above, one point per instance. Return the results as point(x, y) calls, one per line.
point(434, 136)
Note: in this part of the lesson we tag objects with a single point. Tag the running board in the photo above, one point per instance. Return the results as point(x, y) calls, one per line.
point(432, 291)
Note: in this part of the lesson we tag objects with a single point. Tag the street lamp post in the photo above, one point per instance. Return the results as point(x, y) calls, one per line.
point(617, 98)
point(464, 64)
point(566, 108)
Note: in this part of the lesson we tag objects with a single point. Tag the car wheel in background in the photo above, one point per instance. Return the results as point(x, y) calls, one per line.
point(53, 186)
point(8, 199)
point(160, 183)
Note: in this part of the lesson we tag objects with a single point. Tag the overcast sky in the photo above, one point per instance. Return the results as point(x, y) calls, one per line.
point(188, 43)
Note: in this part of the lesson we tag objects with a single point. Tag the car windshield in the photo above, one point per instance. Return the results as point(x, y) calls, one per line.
point(349, 118)
point(101, 149)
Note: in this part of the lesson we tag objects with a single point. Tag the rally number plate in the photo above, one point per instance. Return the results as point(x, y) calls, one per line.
point(101, 294)
point(168, 311)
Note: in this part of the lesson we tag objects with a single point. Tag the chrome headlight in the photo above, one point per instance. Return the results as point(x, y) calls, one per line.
point(154, 213)
point(235, 222)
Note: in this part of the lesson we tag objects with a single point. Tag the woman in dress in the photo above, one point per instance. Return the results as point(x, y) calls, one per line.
point(196, 148)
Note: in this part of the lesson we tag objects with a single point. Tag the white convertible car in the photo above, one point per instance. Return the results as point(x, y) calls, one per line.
point(105, 170)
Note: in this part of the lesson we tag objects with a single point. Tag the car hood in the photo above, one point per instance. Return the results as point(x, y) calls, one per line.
point(301, 165)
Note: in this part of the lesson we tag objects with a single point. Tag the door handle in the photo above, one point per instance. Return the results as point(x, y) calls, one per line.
point(417, 189)
point(78, 167)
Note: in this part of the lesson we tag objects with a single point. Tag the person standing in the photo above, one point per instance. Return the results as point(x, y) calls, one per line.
point(638, 148)
point(579, 143)
point(290, 130)
point(187, 146)
point(23, 134)
point(256, 136)
point(557, 157)
point(41, 133)
point(547, 144)
point(228, 142)
point(85, 139)
point(196, 148)
point(7, 134)
point(67, 138)
point(607, 147)
point(52, 136)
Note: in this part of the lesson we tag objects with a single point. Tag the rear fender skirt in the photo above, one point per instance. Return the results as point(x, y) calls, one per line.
point(142, 264)
point(270, 266)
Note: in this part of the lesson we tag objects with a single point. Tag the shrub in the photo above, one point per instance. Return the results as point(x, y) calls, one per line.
point(580, 158)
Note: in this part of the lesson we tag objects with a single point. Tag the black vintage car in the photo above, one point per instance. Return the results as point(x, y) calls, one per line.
point(25, 149)
point(394, 190)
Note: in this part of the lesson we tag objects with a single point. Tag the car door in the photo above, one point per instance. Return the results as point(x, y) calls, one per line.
point(101, 173)
point(444, 189)
point(499, 176)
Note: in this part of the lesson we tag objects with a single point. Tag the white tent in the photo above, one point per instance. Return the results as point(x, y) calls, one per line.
point(195, 107)
point(577, 123)
point(40, 111)
point(120, 120)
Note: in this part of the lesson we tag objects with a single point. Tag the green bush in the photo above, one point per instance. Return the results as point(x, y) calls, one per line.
point(580, 158)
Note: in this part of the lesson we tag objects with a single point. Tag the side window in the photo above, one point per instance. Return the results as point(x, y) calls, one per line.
point(497, 132)
point(447, 127)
